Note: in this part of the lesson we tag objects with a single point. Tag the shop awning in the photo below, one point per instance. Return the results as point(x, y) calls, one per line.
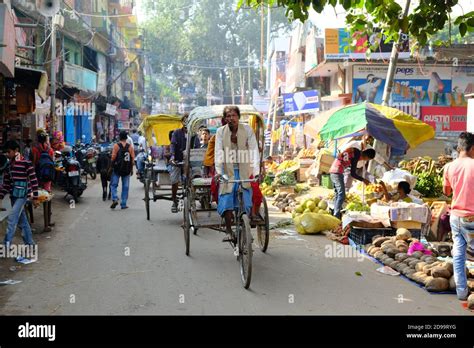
point(324, 69)
point(33, 78)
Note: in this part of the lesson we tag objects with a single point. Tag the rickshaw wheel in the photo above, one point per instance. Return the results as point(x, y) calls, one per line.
point(245, 251)
point(147, 198)
point(263, 230)
point(186, 224)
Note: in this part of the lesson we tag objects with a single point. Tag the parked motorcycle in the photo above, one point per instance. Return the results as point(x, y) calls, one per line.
point(71, 177)
point(87, 157)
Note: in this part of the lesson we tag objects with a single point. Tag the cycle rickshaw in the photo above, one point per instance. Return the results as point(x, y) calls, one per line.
point(198, 190)
point(156, 178)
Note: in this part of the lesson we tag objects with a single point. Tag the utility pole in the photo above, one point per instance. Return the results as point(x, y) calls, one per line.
point(250, 77)
point(393, 62)
point(262, 22)
point(269, 23)
point(232, 85)
point(242, 86)
point(53, 68)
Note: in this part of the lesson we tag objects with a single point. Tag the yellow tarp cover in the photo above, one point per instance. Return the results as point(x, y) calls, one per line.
point(160, 126)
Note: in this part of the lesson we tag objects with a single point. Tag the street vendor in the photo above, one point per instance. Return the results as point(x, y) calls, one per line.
point(347, 160)
point(402, 195)
point(362, 144)
point(232, 141)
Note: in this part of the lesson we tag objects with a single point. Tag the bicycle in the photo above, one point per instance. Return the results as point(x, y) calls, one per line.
point(242, 243)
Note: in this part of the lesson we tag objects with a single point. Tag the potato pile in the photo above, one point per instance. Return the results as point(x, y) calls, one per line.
point(286, 202)
point(436, 276)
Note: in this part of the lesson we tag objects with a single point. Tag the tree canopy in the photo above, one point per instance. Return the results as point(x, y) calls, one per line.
point(425, 18)
point(188, 42)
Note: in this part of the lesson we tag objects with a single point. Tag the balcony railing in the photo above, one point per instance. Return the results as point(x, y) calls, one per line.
point(79, 77)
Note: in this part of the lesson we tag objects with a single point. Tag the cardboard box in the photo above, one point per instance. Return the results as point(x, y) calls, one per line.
point(301, 175)
point(286, 189)
point(409, 225)
point(438, 208)
point(417, 213)
point(325, 162)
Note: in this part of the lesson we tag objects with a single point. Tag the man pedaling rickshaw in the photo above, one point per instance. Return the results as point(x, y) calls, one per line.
point(236, 156)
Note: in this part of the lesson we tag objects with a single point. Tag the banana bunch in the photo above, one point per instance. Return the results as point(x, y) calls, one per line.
point(287, 164)
point(267, 190)
point(373, 189)
point(353, 198)
point(272, 168)
point(306, 153)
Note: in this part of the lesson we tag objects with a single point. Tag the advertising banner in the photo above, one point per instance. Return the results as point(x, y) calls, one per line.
point(301, 102)
point(338, 43)
point(426, 86)
point(446, 121)
point(463, 83)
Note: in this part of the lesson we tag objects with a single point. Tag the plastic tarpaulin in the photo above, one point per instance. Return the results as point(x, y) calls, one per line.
point(160, 126)
point(70, 133)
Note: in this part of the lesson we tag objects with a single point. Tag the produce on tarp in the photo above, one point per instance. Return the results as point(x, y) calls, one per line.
point(435, 275)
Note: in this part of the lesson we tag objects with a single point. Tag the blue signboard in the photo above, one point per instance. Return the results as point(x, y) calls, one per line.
point(301, 102)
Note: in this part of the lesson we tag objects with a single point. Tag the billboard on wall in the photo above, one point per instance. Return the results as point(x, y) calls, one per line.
point(337, 42)
point(426, 86)
point(301, 102)
point(446, 120)
point(463, 83)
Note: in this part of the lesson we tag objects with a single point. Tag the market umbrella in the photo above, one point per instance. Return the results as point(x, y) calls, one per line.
point(386, 124)
point(313, 127)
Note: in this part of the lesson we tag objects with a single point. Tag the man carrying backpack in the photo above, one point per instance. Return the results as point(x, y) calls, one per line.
point(123, 157)
point(43, 162)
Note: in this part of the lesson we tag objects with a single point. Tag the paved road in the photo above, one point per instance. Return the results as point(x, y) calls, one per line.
point(83, 269)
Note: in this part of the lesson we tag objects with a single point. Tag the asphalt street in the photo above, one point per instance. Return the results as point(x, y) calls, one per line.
point(98, 261)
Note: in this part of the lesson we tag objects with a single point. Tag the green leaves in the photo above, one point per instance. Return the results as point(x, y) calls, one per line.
point(425, 19)
point(462, 29)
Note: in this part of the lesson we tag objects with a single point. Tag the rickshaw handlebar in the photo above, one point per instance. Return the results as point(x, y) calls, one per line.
point(227, 181)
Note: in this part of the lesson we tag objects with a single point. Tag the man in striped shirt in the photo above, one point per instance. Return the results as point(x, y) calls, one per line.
point(21, 183)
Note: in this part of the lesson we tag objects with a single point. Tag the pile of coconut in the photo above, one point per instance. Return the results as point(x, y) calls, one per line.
point(422, 266)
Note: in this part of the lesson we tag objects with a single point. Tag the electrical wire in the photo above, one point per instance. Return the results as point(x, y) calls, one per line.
point(80, 14)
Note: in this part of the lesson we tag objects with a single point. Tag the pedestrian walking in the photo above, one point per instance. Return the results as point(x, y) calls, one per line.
point(123, 157)
point(459, 180)
point(21, 183)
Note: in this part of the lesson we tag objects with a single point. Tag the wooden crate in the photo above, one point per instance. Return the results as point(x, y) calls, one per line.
point(301, 174)
point(286, 189)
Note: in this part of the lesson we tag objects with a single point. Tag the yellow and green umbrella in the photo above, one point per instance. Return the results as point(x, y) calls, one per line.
point(386, 124)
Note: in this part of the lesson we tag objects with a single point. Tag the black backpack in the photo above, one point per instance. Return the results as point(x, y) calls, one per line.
point(123, 162)
point(45, 170)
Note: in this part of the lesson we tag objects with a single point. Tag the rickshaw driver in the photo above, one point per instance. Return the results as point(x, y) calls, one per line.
point(177, 147)
point(237, 157)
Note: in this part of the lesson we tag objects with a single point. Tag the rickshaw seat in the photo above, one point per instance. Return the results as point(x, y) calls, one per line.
point(200, 182)
point(160, 167)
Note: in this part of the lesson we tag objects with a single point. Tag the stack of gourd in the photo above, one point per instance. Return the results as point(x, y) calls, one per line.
point(425, 269)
